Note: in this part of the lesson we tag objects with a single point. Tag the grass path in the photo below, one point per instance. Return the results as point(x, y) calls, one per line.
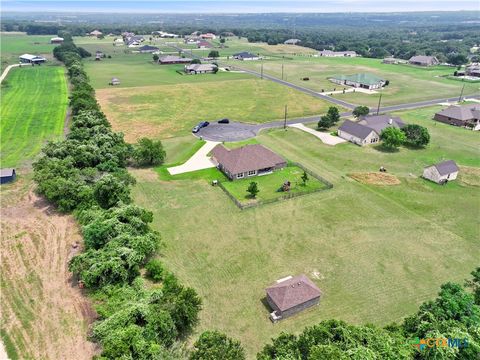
point(33, 108)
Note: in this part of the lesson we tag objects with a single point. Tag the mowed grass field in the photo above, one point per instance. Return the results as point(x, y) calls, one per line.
point(34, 103)
point(407, 83)
point(376, 252)
point(170, 110)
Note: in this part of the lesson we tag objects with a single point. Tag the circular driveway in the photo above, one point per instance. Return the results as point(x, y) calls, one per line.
point(234, 131)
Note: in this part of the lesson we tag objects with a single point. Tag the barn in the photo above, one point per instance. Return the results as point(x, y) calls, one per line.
point(7, 175)
point(442, 172)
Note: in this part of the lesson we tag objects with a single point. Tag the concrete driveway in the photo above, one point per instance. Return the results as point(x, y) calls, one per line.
point(325, 137)
point(198, 161)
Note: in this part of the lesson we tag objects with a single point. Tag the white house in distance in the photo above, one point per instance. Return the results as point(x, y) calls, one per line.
point(200, 69)
point(96, 33)
point(56, 40)
point(292, 42)
point(364, 81)
point(31, 59)
point(330, 53)
point(245, 55)
point(442, 172)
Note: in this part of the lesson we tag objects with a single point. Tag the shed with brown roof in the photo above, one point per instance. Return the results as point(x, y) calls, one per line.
point(246, 161)
point(291, 295)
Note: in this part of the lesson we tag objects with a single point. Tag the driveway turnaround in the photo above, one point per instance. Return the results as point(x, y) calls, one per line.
point(325, 137)
point(198, 161)
point(7, 69)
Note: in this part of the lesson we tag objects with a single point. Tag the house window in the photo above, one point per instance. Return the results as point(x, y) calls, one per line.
point(252, 172)
point(239, 176)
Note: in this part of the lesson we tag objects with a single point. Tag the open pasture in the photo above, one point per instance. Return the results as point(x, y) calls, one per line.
point(34, 103)
point(407, 83)
point(169, 110)
point(375, 251)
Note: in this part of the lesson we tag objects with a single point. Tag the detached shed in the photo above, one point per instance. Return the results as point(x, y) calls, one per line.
point(114, 81)
point(7, 175)
point(441, 172)
point(291, 295)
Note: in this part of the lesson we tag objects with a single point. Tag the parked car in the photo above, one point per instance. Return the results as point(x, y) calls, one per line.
point(200, 125)
point(224, 121)
point(196, 129)
point(204, 124)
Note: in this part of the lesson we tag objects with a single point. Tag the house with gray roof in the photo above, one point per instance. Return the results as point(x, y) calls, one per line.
point(473, 70)
point(290, 295)
point(245, 55)
point(460, 115)
point(173, 59)
point(147, 49)
point(200, 69)
point(442, 172)
point(423, 60)
point(363, 80)
point(7, 175)
point(368, 129)
point(246, 161)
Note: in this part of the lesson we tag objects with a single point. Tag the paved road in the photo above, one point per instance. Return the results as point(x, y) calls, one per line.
point(5, 72)
point(237, 131)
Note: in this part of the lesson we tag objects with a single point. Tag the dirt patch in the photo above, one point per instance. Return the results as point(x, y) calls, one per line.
point(147, 175)
point(43, 314)
point(375, 178)
point(469, 175)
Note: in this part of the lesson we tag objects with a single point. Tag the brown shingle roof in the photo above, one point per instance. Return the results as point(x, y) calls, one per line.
point(292, 292)
point(461, 112)
point(245, 158)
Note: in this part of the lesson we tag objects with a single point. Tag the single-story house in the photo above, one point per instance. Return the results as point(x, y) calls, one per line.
point(245, 55)
point(7, 175)
point(330, 53)
point(31, 59)
point(114, 81)
point(441, 172)
point(148, 49)
point(133, 43)
point(292, 41)
point(173, 59)
point(209, 36)
point(56, 40)
point(473, 70)
point(96, 33)
point(118, 42)
point(202, 44)
point(365, 81)
point(368, 129)
point(246, 161)
point(423, 60)
point(460, 115)
point(290, 295)
point(200, 68)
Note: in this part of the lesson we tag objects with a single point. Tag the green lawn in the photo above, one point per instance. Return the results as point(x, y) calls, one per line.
point(16, 44)
point(376, 252)
point(34, 102)
point(270, 185)
point(171, 110)
point(407, 83)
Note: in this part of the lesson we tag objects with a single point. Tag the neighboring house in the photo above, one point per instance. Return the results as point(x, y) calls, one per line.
point(460, 115)
point(56, 40)
point(31, 59)
point(164, 34)
point(246, 161)
point(292, 41)
point(7, 175)
point(148, 49)
point(368, 129)
point(118, 42)
point(290, 295)
point(390, 60)
point(114, 81)
point(173, 59)
point(365, 81)
point(209, 36)
point(441, 172)
point(202, 44)
point(200, 68)
point(245, 55)
point(133, 43)
point(96, 33)
point(473, 70)
point(330, 53)
point(423, 60)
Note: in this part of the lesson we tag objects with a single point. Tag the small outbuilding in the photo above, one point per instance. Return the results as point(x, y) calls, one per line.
point(290, 295)
point(442, 172)
point(364, 81)
point(114, 81)
point(292, 42)
point(56, 40)
point(31, 59)
point(7, 175)
point(423, 60)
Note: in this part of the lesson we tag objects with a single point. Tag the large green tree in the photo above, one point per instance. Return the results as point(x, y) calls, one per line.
point(360, 111)
point(149, 152)
point(416, 135)
point(214, 345)
point(330, 118)
point(392, 137)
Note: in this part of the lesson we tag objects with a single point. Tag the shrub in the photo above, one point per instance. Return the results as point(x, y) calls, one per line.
point(155, 270)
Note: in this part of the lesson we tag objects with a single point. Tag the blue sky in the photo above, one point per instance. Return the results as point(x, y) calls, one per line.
point(248, 6)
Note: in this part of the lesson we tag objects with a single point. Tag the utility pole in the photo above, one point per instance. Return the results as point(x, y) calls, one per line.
point(282, 70)
point(461, 94)
point(261, 71)
point(379, 101)
point(285, 121)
